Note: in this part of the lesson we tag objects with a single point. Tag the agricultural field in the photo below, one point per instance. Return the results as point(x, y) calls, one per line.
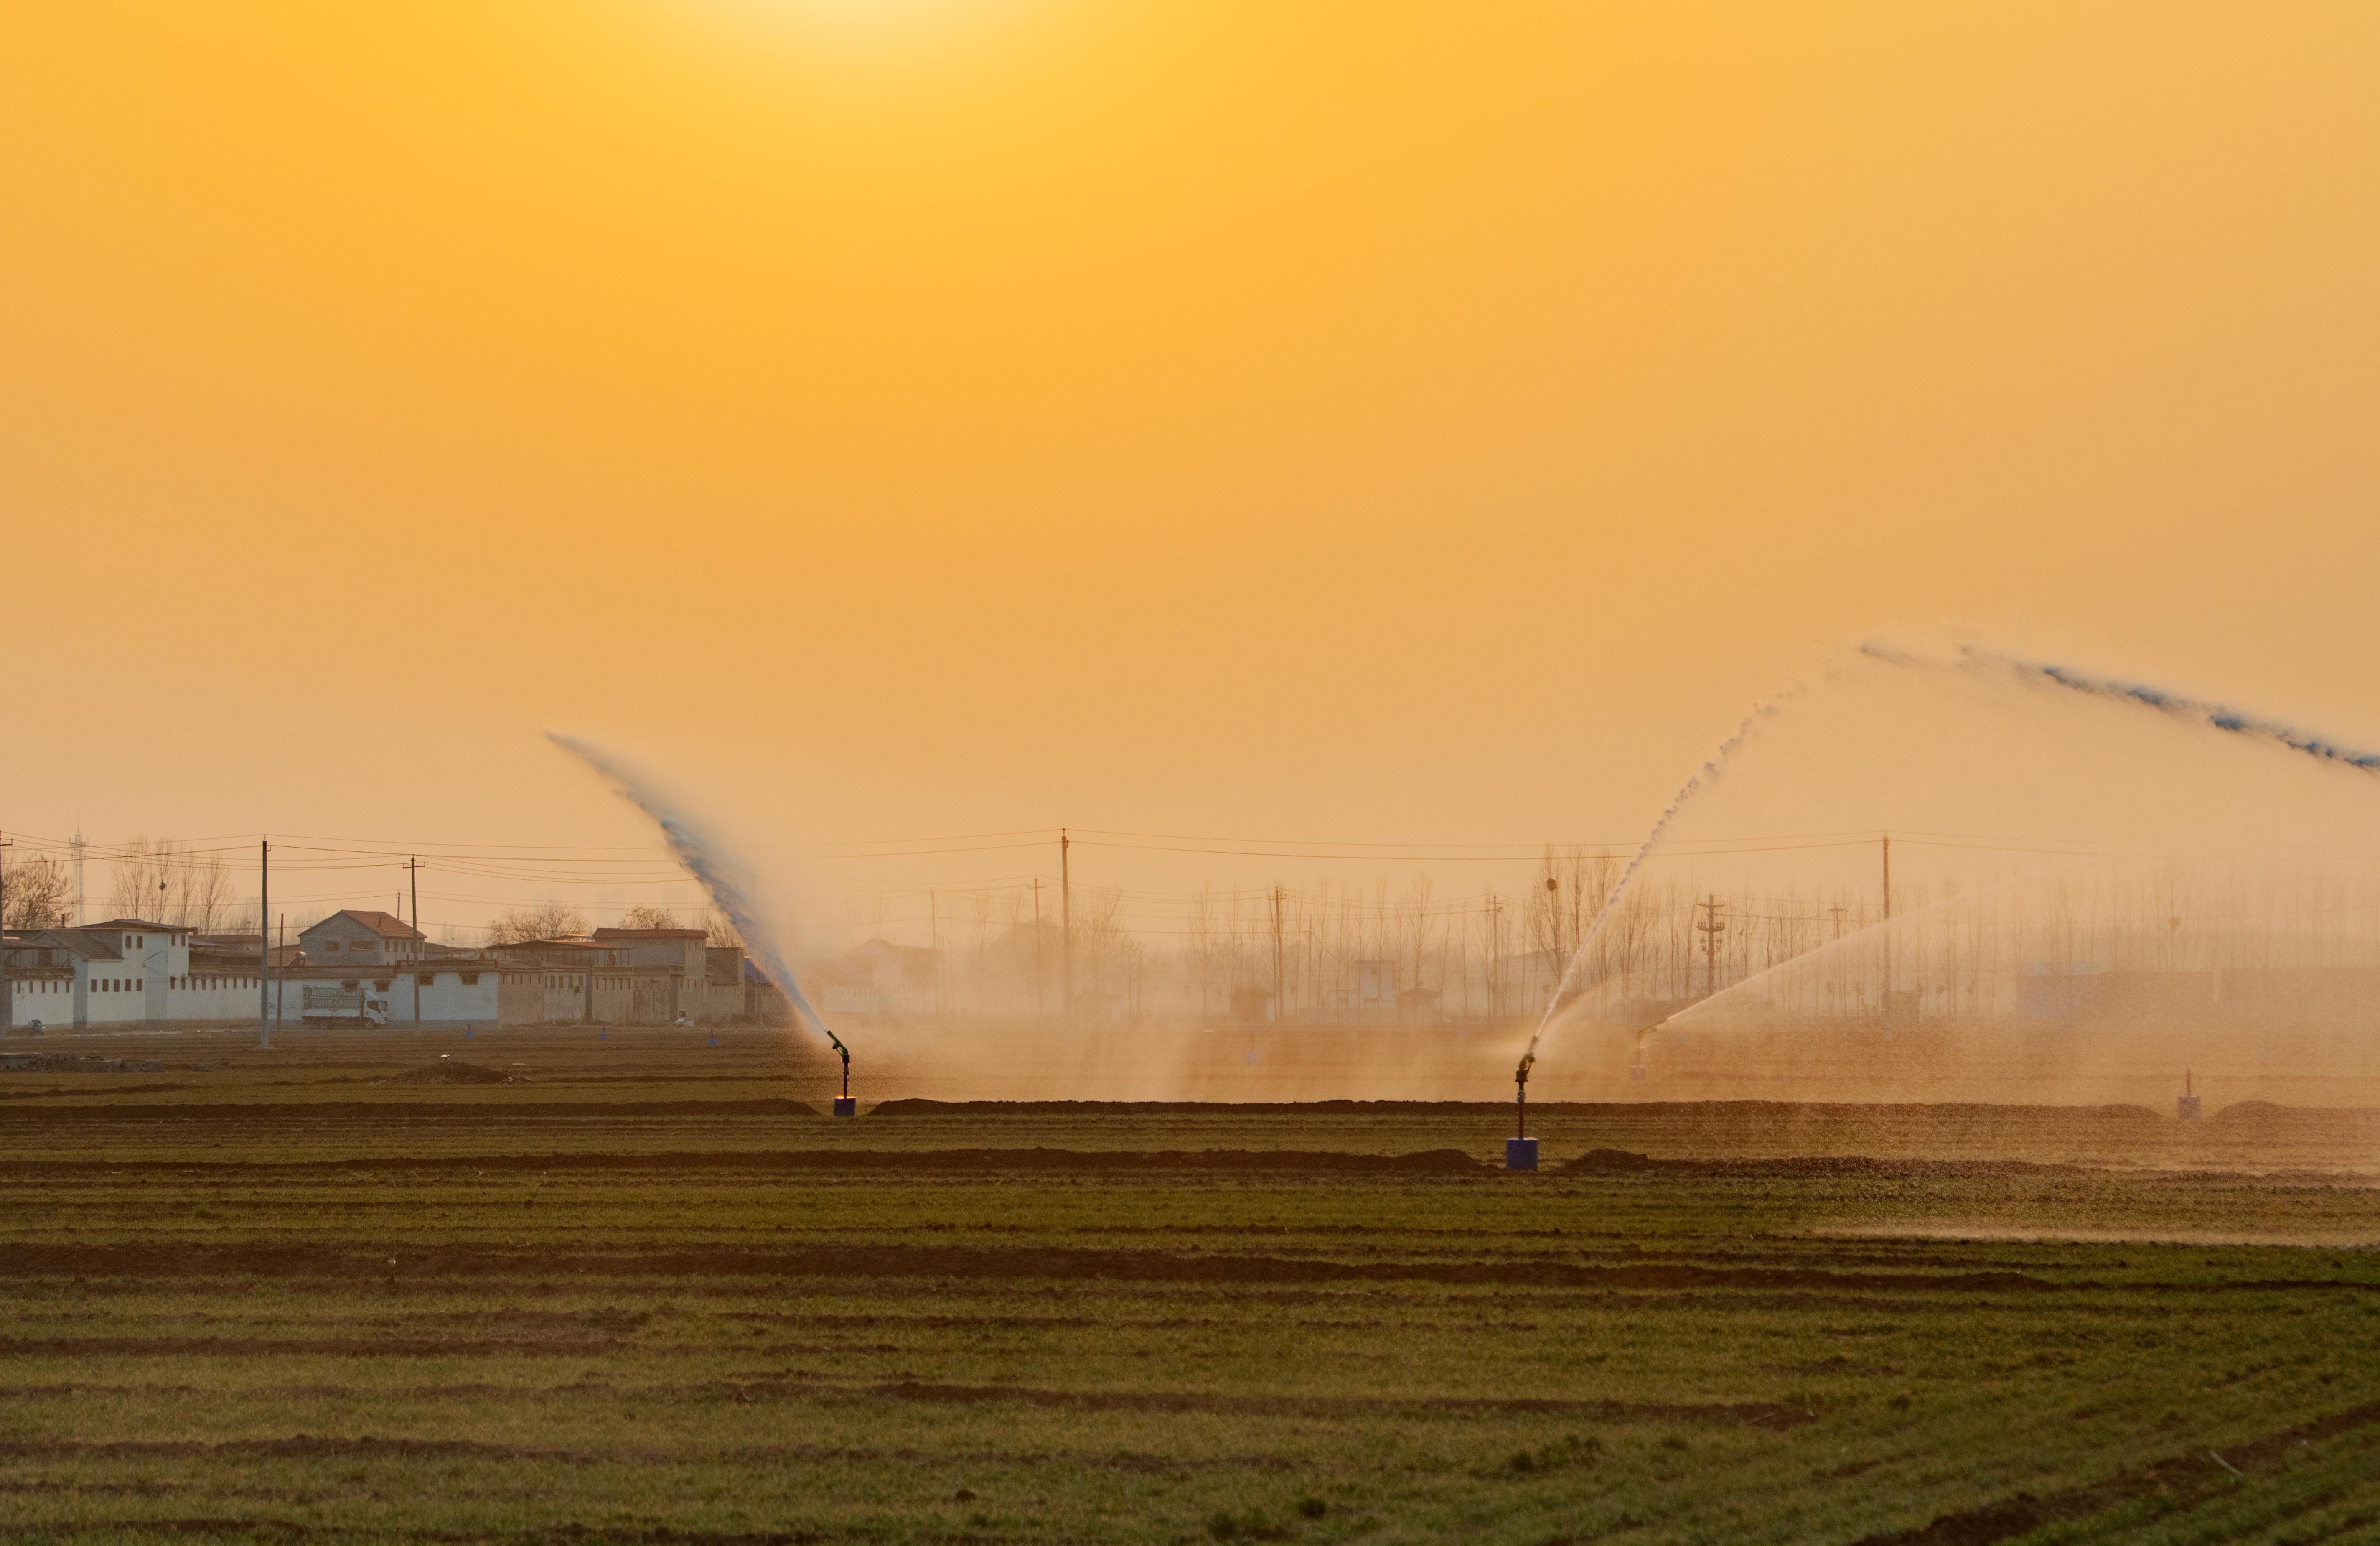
point(538, 1286)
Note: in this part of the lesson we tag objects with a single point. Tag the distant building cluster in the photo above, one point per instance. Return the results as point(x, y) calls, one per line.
point(371, 967)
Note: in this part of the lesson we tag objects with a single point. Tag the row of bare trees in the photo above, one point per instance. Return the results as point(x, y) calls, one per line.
point(554, 920)
point(166, 881)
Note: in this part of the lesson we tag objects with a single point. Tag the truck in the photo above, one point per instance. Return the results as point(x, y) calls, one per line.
point(333, 1006)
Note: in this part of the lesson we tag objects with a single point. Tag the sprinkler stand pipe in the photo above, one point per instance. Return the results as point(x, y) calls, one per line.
point(843, 1105)
point(1520, 1150)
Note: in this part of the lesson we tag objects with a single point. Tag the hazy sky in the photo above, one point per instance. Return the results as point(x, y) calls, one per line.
point(1410, 422)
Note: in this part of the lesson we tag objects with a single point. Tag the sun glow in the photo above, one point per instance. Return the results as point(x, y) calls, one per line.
point(862, 28)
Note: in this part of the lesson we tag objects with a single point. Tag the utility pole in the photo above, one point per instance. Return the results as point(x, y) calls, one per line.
point(1710, 928)
point(413, 875)
point(77, 844)
point(1066, 926)
point(1561, 962)
point(1040, 978)
point(1577, 912)
point(279, 993)
point(7, 993)
point(1887, 933)
point(1495, 911)
point(1280, 982)
point(263, 955)
point(934, 940)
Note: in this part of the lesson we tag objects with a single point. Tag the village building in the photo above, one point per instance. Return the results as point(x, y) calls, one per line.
point(355, 938)
point(126, 971)
point(878, 977)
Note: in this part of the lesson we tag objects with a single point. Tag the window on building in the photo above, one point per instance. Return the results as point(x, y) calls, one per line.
point(470, 978)
point(330, 947)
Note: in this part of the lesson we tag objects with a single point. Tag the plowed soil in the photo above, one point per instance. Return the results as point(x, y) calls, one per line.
point(653, 1297)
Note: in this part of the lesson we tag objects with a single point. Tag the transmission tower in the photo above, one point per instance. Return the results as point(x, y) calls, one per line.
point(1711, 928)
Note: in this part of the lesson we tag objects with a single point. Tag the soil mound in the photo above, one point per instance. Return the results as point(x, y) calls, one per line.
point(452, 1070)
point(1615, 1162)
point(918, 1106)
point(1814, 1168)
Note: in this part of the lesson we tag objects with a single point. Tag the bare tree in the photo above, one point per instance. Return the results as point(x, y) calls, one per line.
point(1098, 934)
point(644, 917)
point(550, 920)
point(1203, 922)
point(975, 910)
point(201, 892)
point(159, 879)
point(140, 883)
point(1420, 924)
point(1012, 921)
point(38, 891)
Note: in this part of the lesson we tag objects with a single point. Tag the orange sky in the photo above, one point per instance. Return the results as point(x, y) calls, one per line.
point(1419, 422)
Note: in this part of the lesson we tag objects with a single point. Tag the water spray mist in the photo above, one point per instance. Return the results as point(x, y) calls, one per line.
point(1686, 792)
point(711, 865)
point(2215, 716)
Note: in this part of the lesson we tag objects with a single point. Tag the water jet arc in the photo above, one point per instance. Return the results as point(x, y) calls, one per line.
point(706, 862)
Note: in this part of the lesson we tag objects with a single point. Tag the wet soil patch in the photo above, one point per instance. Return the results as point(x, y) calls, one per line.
point(250, 1529)
point(453, 1070)
point(1756, 1414)
point(874, 1161)
point(77, 1063)
point(1062, 1264)
point(1715, 1112)
point(342, 1348)
point(284, 1114)
point(1620, 1162)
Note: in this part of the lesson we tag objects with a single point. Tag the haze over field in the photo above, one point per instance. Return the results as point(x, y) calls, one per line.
point(1319, 460)
point(1346, 421)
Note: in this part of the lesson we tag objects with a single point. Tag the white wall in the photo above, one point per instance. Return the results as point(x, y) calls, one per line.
point(47, 999)
point(446, 1000)
point(232, 998)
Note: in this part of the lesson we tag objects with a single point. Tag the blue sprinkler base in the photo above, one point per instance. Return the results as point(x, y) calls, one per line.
point(847, 1105)
point(1520, 1154)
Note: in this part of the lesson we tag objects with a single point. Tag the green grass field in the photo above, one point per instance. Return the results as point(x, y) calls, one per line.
point(641, 1297)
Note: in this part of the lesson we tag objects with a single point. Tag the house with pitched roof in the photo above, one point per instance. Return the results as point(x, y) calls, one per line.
point(355, 937)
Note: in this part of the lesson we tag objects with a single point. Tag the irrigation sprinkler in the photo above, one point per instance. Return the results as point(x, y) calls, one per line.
point(843, 1105)
point(1520, 1150)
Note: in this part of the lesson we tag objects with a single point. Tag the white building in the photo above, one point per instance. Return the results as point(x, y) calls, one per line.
point(130, 972)
point(127, 971)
